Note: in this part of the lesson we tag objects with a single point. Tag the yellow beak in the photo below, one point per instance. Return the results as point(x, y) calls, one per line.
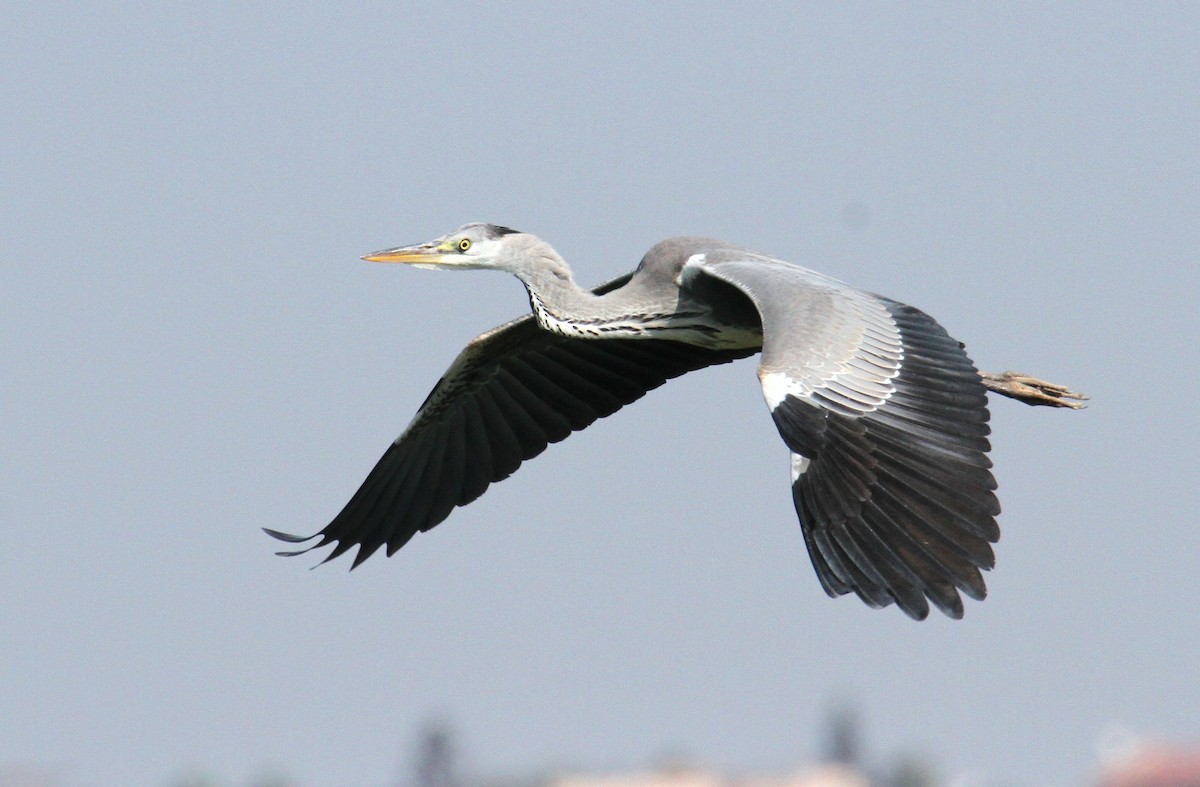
point(421, 253)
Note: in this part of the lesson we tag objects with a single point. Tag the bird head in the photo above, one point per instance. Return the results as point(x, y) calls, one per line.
point(469, 246)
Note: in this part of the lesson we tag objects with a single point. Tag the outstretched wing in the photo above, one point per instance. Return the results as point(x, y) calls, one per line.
point(886, 418)
point(508, 394)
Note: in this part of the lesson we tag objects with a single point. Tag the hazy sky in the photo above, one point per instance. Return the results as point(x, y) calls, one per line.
point(190, 350)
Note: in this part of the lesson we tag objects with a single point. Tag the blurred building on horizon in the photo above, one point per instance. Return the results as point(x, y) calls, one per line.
point(1152, 765)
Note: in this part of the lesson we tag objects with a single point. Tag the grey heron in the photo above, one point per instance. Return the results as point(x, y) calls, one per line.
point(882, 411)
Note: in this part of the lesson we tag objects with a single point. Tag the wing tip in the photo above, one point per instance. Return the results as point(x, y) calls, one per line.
point(290, 538)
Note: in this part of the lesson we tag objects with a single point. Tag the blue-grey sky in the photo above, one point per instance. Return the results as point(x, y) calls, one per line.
point(191, 350)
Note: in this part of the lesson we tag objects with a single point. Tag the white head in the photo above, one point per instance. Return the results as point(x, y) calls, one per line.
point(469, 246)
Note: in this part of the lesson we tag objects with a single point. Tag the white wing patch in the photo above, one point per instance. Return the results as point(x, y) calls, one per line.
point(799, 466)
point(777, 386)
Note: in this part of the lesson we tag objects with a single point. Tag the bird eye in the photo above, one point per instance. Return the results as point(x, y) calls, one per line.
point(464, 244)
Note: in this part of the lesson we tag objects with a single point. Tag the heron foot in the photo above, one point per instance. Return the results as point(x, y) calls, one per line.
point(1031, 390)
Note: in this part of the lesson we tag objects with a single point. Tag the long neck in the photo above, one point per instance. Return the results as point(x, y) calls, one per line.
point(559, 304)
point(649, 309)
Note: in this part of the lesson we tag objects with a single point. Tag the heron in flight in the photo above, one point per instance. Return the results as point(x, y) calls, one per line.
point(883, 413)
